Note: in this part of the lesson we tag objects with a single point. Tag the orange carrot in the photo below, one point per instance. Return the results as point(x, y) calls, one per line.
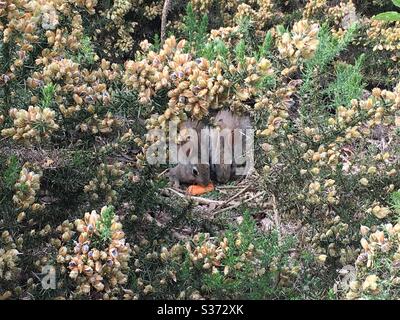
point(196, 190)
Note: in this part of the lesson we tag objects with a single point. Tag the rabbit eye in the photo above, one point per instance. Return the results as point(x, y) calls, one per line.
point(195, 172)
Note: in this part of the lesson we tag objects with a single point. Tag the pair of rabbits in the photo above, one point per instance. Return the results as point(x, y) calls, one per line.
point(197, 172)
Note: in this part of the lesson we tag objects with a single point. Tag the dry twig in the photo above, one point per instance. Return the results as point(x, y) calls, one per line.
point(277, 219)
point(199, 200)
point(164, 17)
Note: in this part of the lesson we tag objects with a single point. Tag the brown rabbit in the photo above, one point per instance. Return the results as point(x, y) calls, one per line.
point(227, 122)
point(191, 171)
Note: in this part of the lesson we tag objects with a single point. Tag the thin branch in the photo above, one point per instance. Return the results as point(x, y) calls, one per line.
point(237, 204)
point(237, 194)
point(199, 200)
point(164, 17)
point(162, 173)
point(277, 219)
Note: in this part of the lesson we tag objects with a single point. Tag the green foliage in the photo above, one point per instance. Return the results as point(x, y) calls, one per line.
point(86, 54)
point(104, 224)
point(241, 283)
point(281, 29)
point(316, 70)
point(11, 173)
point(5, 57)
point(240, 51)
point(299, 107)
point(195, 30)
point(48, 95)
point(348, 84)
point(328, 49)
point(215, 50)
point(395, 201)
point(248, 31)
point(389, 15)
point(264, 49)
point(156, 45)
point(253, 266)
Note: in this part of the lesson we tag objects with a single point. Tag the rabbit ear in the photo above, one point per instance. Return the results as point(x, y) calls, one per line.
point(188, 152)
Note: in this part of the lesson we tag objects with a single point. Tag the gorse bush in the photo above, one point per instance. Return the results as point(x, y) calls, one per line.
point(82, 85)
point(240, 264)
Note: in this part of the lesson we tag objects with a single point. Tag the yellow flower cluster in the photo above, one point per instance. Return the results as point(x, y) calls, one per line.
point(380, 109)
point(158, 122)
point(8, 258)
point(96, 124)
point(335, 241)
point(153, 10)
point(254, 71)
point(201, 6)
point(121, 8)
point(380, 244)
point(76, 89)
point(229, 9)
point(318, 191)
point(50, 18)
point(265, 12)
point(89, 5)
point(26, 189)
point(261, 13)
point(31, 126)
point(203, 252)
point(175, 253)
point(226, 34)
point(24, 20)
point(108, 178)
point(343, 14)
point(16, 23)
point(210, 255)
point(287, 274)
point(313, 8)
point(152, 73)
point(80, 90)
point(326, 192)
point(244, 10)
point(322, 166)
point(118, 27)
point(119, 143)
point(195, 85)
point(207, 254)
point(60, 39)
point(66, 231)
point(94, 262)
point(379, 211)
point(277, 103)
point(384, 36)
point(300, 43)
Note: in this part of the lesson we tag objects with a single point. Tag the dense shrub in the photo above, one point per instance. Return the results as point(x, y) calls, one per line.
point(82, 83)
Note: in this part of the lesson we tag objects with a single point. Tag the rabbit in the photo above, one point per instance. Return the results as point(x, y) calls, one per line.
point(227, 122)
point(198, 173)
point(190, 174)
point(191, 171)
